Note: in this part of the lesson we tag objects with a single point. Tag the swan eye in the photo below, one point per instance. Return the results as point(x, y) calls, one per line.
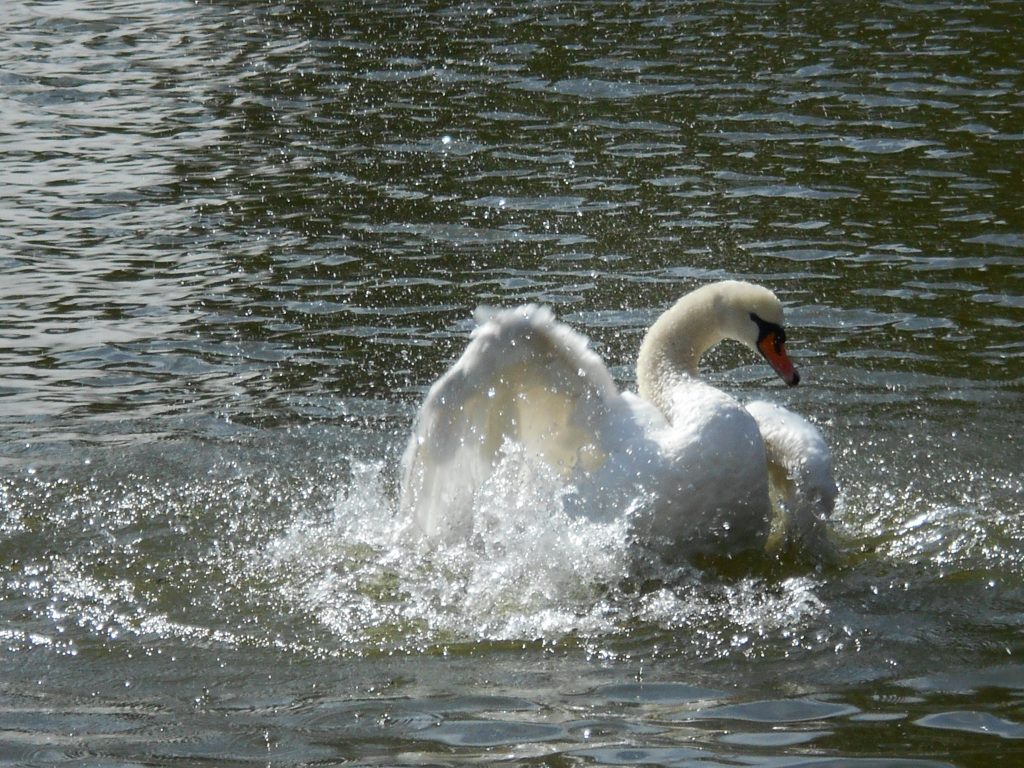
point(766, 329)
point(780, 338)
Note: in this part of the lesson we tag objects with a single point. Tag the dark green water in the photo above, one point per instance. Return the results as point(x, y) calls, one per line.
point(239, 240)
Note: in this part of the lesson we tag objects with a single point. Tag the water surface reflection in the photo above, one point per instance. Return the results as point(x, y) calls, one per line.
point(238, 242)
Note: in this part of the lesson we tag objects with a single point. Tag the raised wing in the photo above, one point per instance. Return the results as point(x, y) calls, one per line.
point(525, 378)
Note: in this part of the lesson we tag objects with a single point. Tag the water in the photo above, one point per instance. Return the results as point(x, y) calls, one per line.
point(239, 241)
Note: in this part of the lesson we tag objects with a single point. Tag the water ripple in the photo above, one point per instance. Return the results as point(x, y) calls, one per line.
point(239, 241)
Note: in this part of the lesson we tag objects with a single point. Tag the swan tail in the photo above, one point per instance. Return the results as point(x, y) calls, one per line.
point(802, 480)
point(523, 377)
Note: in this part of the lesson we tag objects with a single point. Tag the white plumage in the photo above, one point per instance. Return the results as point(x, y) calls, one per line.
point(688, 463)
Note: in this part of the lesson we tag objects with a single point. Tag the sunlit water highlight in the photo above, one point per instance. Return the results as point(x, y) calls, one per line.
point(239, 241)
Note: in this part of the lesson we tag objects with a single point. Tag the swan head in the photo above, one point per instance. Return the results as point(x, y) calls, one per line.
point(754, 316)
point(731, 309)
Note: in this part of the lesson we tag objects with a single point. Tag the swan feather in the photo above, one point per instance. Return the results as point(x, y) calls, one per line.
point(688, 462)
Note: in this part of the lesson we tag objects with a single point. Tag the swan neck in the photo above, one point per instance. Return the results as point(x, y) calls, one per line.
point(674, 344)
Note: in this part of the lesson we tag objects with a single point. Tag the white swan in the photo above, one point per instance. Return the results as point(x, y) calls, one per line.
point(690, 464)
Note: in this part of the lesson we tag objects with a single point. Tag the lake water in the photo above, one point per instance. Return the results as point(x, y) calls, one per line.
point(239, 240)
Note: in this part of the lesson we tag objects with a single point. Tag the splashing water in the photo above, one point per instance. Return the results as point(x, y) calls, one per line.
point(530, 571)
point(215, 545)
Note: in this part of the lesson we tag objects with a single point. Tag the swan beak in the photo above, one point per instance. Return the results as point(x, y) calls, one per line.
point(771, 346)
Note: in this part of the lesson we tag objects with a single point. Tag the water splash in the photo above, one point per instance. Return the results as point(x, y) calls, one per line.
point(216, 545)
point(528, 572)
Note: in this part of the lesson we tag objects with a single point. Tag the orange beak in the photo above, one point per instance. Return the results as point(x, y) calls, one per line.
point(774, 350)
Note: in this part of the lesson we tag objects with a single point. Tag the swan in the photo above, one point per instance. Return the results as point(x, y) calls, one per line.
point(699, 473)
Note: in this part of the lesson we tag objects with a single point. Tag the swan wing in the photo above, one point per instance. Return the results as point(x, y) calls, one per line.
point(525, 378)
point(801, 472)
